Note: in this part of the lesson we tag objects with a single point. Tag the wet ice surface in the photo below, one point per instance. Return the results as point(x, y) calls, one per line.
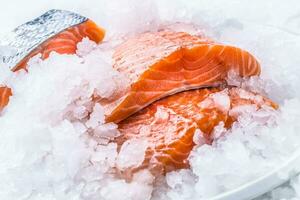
point(51, 149)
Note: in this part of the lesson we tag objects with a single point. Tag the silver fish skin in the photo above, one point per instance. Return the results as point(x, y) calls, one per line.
point(27, 37)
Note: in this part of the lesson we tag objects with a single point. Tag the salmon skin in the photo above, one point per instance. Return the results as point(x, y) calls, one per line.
point(169, 124)
point(56, 30)
point(163, 63)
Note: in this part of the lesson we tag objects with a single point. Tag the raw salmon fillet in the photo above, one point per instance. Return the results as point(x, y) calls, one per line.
point(66, 41)
point(169, 124)
point(5, 93)
point(62, 43)
point(162, 63)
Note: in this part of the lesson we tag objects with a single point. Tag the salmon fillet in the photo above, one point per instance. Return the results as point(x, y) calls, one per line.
point(5, 93)
point(66, 41)
point(169, 124)
point(162, 63)
point(62, 43)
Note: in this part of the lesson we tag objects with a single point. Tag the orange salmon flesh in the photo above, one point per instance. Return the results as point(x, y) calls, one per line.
point(173, 78)
point(62, 43)
point(163, 63)
point(169, 124)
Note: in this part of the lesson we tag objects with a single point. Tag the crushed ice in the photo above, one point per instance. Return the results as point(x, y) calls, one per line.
point(53, 140)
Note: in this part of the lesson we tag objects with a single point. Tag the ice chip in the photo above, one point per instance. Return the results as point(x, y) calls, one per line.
point(97, 117)
point(85, 47)
point(221, 100)
point(108, 130)
point(198, 137)
point(132, 153)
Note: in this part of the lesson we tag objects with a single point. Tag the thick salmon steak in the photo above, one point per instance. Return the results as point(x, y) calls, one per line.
point(66, 41)
point(56, 30)
point(162, 63)
point(169, 125)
